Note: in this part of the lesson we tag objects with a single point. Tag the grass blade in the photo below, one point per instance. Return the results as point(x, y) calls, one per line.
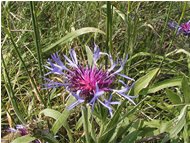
point(23, 63)
point(36, 37)
point(165, 84)
point(24, 139)
point(73, 35)
point(11, 94)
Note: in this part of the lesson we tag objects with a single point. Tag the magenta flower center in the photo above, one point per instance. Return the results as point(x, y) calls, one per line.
point(185, 26)
point(88, 79)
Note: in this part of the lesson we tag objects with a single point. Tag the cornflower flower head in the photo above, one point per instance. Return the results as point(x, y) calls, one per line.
point(22, 130)
point(89, 84)
point(19, 128)
point(182, 28)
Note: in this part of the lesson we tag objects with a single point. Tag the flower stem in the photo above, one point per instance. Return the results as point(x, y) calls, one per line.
point(85, 123)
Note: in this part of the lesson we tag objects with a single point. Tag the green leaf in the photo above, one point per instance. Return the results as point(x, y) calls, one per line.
point(186, 134)
point(62, 120)
point(179, 51)
point(89, 56)
point(24, 139)
point(121, 129)
point(56, 115)
point(51, 113)
point(165, 84)
point(186, 90)
point(153, 123)
point(78, 124)
point(144, 81)
point(73, 35)
point(173, 97)
point(115, 120)
point(93, 130)
point(158, 124)
point(178, 122)
point(48, 137)
point(131, 137)
point(109, 130)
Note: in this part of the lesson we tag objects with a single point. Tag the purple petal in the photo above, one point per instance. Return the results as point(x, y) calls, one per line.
point(52, 84)
point(20, 127)
point(73, 56)
point(107, 102)
point(56, 58)
point(110, 97)
point(78, 98)
point(55, 69)
point(70, 63)
point(125, 89)
point(107, 106)
point(121, 81)
point(23, 130)
point(121, 90)
point(112, 67)
point(76, 95)
point(173, 24)
point(121, 67)
point(115, 102)
point(96, 96)
point(96, 54)
point(128, 97)
point(37, 141)
point(126, 77)
point(79, 101)
point(12, 130)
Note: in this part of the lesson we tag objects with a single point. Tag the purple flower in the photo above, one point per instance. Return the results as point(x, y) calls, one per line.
point(22, 130)
point(19, 128)
point(183, 28)
point(89, 83)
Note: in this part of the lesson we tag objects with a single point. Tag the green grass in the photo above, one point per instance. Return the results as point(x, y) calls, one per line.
point(159, 61)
